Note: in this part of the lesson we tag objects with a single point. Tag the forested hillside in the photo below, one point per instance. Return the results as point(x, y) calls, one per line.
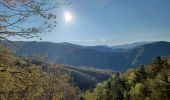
point(24, 78)
point(84, 50)
point(36, 78)
point(86, 78)
point(94, 56)
point(151, 82)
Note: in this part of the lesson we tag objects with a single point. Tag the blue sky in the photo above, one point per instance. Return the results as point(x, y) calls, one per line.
point(112, 22)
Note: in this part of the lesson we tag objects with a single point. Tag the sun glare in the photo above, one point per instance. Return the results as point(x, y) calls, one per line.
point(68, 16)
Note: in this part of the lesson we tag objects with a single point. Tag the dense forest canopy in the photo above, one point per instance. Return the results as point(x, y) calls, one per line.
point(25, 77)
point(151, 82)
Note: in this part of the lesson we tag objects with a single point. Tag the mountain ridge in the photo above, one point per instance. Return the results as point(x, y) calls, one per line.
point(77, 55)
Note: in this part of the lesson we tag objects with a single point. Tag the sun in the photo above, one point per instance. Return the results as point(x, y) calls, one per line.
point(68, 16)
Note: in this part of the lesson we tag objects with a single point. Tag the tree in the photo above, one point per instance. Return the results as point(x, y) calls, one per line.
point(88, 95)
point(161, 87)
point(27, 18)
point(141, 73)
point(157, 65)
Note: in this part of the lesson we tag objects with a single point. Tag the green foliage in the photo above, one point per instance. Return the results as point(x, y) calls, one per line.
point(137, 92)
point(99, 93)
point(24, 79)
point(132, 78)
point(36, 79)
point(143, 83)
point(139, 88)
point(89, 95)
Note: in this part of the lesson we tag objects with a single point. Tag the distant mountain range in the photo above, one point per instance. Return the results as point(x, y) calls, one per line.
point(117, 58)
point(129, 46)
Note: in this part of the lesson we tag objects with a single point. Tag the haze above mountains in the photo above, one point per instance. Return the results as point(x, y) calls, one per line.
point(118, 58)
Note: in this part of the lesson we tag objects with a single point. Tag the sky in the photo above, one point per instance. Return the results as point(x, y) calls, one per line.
point(111, 22)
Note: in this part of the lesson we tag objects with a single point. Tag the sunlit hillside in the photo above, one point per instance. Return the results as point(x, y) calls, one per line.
point(84, 49)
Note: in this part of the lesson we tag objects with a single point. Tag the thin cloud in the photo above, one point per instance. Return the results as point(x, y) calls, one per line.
point(94, 41)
